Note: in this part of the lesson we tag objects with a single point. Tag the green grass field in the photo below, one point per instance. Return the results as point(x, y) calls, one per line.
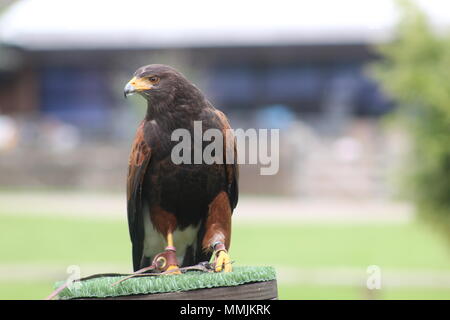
point(49, 244)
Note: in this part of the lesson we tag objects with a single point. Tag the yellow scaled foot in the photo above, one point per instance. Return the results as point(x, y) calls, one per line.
point(223, 262)
point(172, 270)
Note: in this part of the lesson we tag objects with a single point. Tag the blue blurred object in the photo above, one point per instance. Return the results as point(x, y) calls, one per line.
point(276, 116)
point(74, 95)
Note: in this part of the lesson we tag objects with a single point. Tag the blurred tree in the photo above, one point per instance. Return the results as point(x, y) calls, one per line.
point(415, 71)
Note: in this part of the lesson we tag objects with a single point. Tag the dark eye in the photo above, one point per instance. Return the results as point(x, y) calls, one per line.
point(154, 79)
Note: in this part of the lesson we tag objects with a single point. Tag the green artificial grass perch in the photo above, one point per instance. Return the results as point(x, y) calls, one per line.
point(101, 287)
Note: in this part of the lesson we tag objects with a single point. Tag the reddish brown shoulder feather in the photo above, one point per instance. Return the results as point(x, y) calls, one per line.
point(138, 160)
point(230, 152)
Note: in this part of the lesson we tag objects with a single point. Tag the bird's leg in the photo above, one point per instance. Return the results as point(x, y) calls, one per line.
point(218, 232)
point(166, 261)
point(221, 258)
point(170, 252)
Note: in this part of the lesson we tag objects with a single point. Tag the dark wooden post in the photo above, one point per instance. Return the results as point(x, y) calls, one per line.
point(265, 290)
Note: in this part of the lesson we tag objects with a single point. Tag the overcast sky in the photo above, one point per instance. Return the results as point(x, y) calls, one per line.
point(78, 23)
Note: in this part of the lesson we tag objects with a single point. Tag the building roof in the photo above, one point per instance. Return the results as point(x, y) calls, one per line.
point(83, 24)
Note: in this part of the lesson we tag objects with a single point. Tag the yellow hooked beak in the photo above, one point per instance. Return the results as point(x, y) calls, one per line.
point(136, 85)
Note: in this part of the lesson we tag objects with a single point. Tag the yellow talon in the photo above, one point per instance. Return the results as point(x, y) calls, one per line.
point(223, 262)
point(172, 270)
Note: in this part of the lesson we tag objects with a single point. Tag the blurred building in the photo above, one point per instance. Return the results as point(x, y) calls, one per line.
point(63, 65)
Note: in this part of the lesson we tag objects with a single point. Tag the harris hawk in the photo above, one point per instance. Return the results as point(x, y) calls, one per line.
point(180, 209)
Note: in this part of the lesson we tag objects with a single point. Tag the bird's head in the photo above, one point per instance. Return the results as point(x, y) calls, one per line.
point(156, 82)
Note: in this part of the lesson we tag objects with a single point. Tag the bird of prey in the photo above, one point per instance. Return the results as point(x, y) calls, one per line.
point(183, 210)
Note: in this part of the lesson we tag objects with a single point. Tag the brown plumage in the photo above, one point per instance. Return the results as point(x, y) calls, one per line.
point(192, 203)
